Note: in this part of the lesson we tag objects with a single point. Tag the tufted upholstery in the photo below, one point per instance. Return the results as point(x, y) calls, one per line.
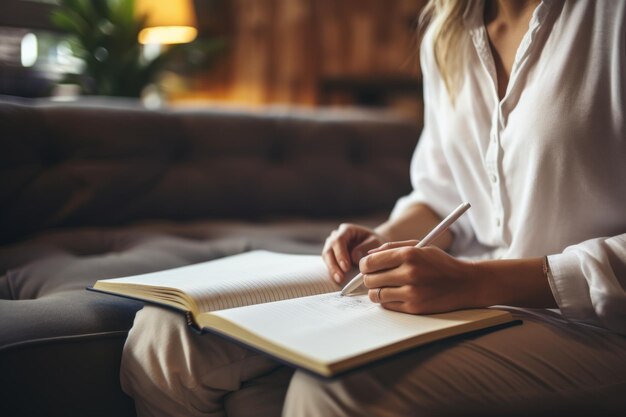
point(101, 189)
point(74, 166)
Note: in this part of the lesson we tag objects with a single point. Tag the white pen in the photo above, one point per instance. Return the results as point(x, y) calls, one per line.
point(439, 229)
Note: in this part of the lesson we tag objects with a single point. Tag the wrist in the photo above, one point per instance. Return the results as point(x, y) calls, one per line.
point(480, 275)
point(514, 282)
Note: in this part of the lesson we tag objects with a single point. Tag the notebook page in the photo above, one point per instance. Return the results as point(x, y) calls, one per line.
point(245, 279)
point(330, 327)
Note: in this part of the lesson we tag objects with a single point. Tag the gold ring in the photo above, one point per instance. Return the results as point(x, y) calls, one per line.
point(378, 294)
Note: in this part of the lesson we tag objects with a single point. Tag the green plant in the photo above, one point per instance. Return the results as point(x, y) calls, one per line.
point(103, 33)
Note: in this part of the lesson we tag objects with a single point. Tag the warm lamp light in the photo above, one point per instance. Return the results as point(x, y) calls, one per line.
point(168, 22)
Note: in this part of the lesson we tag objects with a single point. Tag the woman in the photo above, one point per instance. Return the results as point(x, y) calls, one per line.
point(525, 119)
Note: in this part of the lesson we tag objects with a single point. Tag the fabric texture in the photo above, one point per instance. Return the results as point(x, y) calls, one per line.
point(544, 167)
point(544, 367)
point(544, 171)
point(102, 188)
point(168, 369)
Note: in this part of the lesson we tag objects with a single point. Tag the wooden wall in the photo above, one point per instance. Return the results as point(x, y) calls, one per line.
point(282, 51)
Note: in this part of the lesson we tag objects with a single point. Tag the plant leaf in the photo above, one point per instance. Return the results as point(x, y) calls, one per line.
point(68, 21)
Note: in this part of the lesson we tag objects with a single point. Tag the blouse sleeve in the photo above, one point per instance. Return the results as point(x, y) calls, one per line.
point(431, 178)
point(588, 281)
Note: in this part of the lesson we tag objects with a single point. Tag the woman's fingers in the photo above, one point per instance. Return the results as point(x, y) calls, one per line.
point(384, 295)
point(387, 259)
point(419, 281)
point(346, 239)
point(394, 277)
point(397, 299)
point(342, 240)
point(336, 252)
point(340, 249)
point(403, 307)
point(392, 245)
point(394, 299)
point(328, 255)
point(364, 248)
point(346, 246)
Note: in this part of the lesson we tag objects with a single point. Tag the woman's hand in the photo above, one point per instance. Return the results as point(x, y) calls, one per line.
point(419, 281)
point(346, 246)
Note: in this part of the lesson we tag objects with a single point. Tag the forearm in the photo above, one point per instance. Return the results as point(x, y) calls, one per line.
point(513, 282)
point(415, 223)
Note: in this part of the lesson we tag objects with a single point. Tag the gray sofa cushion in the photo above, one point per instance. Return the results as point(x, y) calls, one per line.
point(63, 342)
point(91, 191)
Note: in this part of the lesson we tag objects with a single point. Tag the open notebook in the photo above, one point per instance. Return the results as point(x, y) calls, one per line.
point(288, 307)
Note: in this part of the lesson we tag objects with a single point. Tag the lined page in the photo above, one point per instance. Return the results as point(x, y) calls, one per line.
point(249, 278)
point(330, 328)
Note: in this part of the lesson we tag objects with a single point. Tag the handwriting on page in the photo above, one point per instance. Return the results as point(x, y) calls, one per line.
point(333, 305)
point(350, 303)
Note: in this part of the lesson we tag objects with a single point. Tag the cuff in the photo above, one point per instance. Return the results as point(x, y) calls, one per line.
point(570, 288)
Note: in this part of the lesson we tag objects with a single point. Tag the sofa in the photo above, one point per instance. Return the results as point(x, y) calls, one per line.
point(102, 188)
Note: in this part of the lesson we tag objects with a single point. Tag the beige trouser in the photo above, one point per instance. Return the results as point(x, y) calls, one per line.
point(543, 367)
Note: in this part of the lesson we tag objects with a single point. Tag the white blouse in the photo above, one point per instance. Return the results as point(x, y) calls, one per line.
point(545, 167)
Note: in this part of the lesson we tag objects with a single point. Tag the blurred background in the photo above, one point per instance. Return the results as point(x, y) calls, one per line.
point(343, 53)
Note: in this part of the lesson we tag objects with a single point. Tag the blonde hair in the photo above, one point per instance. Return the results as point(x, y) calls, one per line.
point(445, 19)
